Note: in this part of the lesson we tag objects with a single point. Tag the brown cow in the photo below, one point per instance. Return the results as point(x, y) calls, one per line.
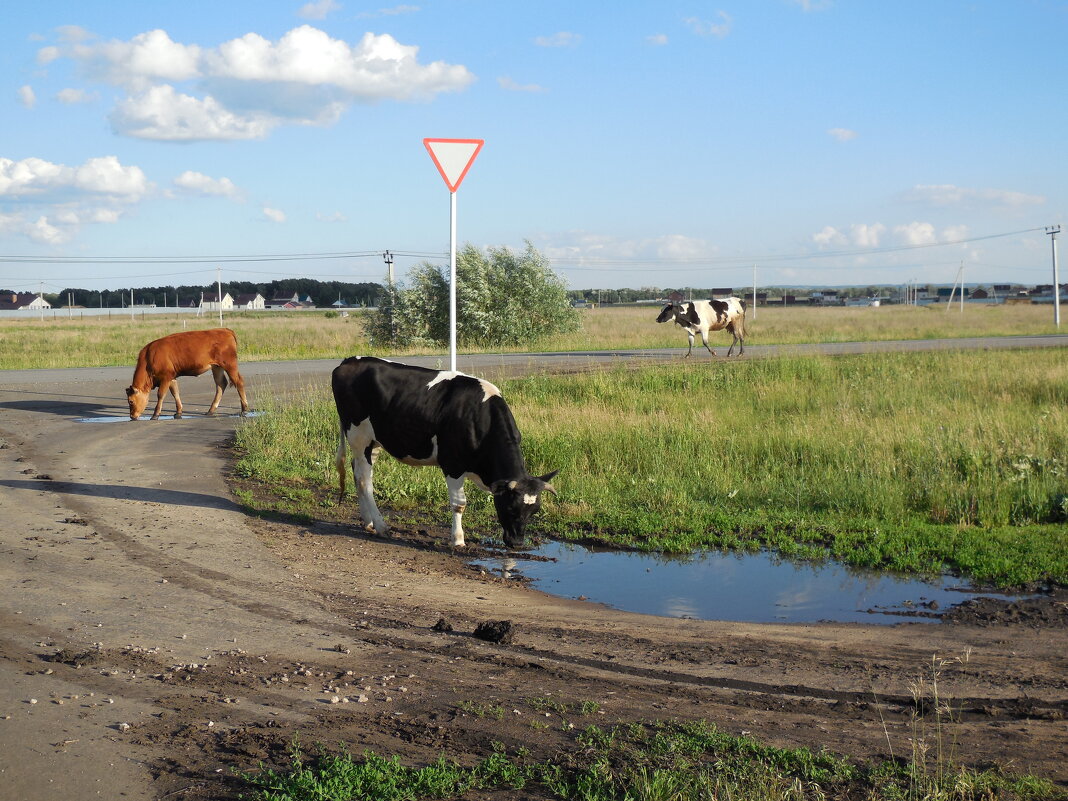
point(161, 361)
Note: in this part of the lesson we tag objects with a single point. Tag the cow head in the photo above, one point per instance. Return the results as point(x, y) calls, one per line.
point(667, 313)
point(138, 400)
point(516, 501)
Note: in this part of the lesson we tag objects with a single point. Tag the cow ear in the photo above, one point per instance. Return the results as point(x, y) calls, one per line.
point(502, 486)
point(129, 391)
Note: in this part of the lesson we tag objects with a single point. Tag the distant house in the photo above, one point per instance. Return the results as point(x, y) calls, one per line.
point(20, 301)
point(980, 294)
point(722, 292)
point(249, 301)
point(209, 301)
point(284, 302)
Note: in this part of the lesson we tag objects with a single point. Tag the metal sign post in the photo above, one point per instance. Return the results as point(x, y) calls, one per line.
point(453, 158)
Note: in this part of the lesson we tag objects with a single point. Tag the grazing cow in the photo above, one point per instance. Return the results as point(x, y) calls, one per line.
point(431, 417)
point(702, 316)
point(162, 361)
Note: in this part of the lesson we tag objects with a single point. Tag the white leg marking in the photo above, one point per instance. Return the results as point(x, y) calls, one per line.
point(458, 502)
point(360, 438)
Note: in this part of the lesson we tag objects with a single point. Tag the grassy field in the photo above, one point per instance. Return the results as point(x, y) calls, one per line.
point(921, 463)
point(59, 341)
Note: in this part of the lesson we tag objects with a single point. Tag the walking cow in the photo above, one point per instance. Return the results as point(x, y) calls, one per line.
point(702, 316)
point(429, 417)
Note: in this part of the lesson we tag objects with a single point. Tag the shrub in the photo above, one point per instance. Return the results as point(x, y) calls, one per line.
point(502, 297)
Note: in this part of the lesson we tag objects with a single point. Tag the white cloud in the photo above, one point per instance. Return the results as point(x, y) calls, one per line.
point(511, 86)
point(27, 96)
point(861, 235)
point(274, 215)
point(318, 9)
point(950, 195)
point(813, 5)
point(74, 96)
point(201, 184)
point(560, 39)
point(148, 57)
point(395, 11)
point(247, 86)
point(830, 237)
point(718, 29)
point(103, 176)
point(162, 113)
point(336, 217)
point(46, 55)
point(842, 134)
point(916, 233)
point(866, 236)
point(657, 39)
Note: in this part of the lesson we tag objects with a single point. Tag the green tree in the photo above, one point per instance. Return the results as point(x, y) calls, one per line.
point(502, 298)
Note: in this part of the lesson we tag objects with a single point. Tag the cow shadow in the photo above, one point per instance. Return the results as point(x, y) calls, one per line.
point(88, 407)
point(123, 492)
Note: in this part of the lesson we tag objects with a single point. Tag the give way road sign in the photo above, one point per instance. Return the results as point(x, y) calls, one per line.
point(453, 158)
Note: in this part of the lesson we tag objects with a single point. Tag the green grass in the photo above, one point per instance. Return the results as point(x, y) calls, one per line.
point(91, 341)
point(920, 463)
point(641, 762)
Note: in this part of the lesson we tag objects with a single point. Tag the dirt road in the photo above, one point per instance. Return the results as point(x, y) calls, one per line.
point(152, 635)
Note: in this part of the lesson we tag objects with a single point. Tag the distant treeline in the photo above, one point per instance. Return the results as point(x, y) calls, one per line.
point(322, 293)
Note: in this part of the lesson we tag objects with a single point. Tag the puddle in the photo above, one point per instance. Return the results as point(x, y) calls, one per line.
point(186, 416)
point(753, 588)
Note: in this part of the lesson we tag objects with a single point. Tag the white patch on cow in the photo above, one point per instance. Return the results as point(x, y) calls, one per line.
point(488, 389)
point(429, 461)
point(530, 500)
point(444, 375)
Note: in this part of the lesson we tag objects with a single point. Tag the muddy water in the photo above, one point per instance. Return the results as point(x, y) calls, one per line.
point(148, 417)
point(755, 588)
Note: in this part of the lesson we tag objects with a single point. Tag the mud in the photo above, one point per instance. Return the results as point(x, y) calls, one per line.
point(167, 638)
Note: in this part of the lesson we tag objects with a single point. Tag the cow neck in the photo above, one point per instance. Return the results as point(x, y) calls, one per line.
point(505, 456)
point(141, 380)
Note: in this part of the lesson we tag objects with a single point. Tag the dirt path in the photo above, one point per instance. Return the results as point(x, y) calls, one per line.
point(165, 636)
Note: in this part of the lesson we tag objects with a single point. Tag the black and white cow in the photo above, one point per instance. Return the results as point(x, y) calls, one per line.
point(431, 417)
point(702, 316)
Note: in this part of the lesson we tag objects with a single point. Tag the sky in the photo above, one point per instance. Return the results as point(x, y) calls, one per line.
point(635, 144)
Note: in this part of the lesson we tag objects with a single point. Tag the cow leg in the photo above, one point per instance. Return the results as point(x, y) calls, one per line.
point(161, 393)
point(704, 339)
point(364, 452)
point(689, 335)
point(239, 385)
point(177, 399)
point(458, 502)
point(220, 384)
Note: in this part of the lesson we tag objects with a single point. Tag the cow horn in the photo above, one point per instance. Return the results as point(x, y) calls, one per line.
point(548, 477)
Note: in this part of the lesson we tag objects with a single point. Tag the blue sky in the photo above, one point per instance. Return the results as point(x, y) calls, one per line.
point(660, 144)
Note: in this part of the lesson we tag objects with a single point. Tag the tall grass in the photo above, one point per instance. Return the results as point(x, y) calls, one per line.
point(61, 341)
point(918, 462)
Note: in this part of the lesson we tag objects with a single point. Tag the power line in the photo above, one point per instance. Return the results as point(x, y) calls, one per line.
point(265, 257)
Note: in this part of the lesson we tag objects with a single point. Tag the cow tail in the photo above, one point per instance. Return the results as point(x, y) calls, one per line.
point(739, 324)
point(339, 462)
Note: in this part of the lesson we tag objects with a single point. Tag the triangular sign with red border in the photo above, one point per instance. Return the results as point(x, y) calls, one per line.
point(453, 158)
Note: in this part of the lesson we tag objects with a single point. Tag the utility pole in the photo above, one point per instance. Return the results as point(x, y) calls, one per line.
point(1053, 230)
point(388, 258)
point(218, 289)
point(754, 291)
